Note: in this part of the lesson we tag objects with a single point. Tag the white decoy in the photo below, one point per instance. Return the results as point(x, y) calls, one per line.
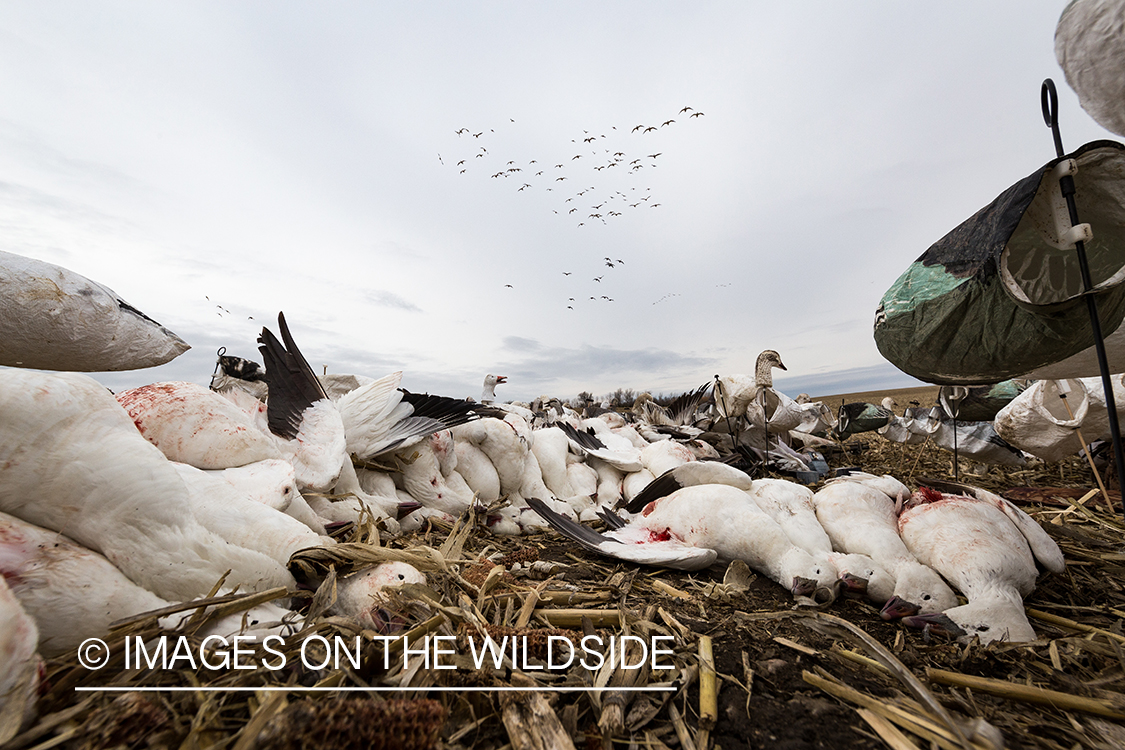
point(714, 518)
point(20, 665)
point(54, 319)
point(362, 596)
point(75, 463)
point(1090, 47)
point(988, 549)
point(488, 395)
point(236, 373)
point(735, 393)
point(858, 513)
point(380, 417)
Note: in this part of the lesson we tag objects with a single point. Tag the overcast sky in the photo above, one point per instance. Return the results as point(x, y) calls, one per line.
point(351, 164)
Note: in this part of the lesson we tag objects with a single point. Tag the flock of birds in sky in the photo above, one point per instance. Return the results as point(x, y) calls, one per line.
point(599, 180)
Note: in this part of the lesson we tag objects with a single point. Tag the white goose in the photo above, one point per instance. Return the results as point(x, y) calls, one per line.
point(362, 595)
point(696, 526)
point(20, 665)
point(988, 549)
point(858, 513)
point(75, 463)
point(72, 592)
point(298, 423)
point(380, 417)
point(54, 319)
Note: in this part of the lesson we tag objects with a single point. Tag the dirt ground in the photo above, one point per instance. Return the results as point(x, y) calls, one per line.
point(786, 676)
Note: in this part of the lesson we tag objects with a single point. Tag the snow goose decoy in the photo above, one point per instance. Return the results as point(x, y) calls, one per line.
point(75, 463)
point(684, 530)
point(488, 395)
point(988, 549)
point(858, 513)
point(54, 319)
point(734, 393)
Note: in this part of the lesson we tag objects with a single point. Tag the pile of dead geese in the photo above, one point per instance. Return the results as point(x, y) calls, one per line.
point(117, 504)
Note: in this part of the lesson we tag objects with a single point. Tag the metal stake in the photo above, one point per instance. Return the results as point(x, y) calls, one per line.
point(1049, 100)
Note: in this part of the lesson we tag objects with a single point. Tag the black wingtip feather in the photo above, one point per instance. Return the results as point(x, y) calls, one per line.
point(449, 411)
point(584, 535)
point(662, 486)
point(585, 439)
point(293, 386)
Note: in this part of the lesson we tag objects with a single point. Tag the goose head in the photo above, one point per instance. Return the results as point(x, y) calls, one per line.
point(763, 370)
point(488, 395)
point(990, 619)
point(918, 586)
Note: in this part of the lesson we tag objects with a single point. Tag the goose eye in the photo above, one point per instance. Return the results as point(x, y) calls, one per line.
point(925, 597)
point(401, 577)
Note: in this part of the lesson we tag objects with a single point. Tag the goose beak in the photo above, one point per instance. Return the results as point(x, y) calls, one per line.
point(936, 622)
point(803, 586)
point(501, 379)
point(853, 584)
point(897, 607)
point(405, 509)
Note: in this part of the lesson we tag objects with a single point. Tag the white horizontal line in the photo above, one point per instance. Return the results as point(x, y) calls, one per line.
point(420, 689)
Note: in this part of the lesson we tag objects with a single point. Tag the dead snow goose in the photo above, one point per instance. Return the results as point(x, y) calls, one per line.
point(380, 417)
point(988, 549)
point(20, 665)
point(75, 463)
point(858, 513)
point(715, 518)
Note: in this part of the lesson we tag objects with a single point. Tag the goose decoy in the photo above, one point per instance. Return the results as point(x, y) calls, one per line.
point(54, 319)
point(488, 395)
point(1090, 50)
